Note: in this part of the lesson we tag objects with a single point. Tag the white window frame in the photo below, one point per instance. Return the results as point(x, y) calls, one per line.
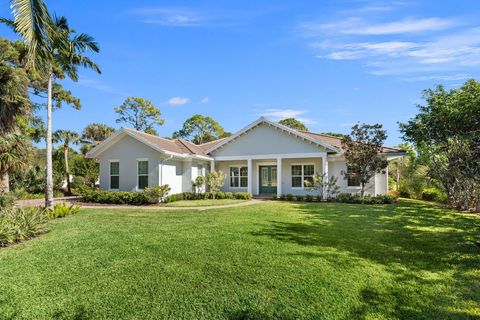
point(352, 187)
point(239, 167)
point(303, 164)
point(110, 174)
point(138, 174)
point(200, 169)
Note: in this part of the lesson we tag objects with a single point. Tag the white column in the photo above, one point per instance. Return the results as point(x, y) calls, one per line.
point(325, 172)
point(250, 176)
point(279, 176)
point(212, 165)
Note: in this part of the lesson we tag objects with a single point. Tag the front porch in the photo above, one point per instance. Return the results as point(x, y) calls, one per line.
point(263, 176)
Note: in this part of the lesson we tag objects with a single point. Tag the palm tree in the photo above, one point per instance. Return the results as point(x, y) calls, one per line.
point(14, 155)
point(68, 137)
point(93, 134)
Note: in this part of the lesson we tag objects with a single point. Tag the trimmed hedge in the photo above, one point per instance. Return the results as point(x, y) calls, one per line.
point(149, 196)
point(433, 194)
point(356, 198)
point(207, 195)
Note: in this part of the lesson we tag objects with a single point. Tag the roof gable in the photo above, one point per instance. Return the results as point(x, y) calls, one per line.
point(301, 136)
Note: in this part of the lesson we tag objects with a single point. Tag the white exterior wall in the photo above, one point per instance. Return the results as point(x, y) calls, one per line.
point(127, 151)
point(172, 174)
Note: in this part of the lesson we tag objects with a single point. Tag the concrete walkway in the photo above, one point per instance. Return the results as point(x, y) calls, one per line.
point(77, 201)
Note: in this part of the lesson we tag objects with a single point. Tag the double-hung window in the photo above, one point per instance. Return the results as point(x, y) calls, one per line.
point(199, 170)
point(114, 175)
point(352, 177)
point(238, 177)
point(142, 171)
point(302, 173)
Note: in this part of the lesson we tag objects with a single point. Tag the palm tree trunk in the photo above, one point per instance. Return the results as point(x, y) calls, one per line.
point(49, 186)
point(5, 183)
point(67, 171)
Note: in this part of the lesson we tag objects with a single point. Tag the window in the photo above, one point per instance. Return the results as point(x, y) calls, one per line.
point(199, 170)
point(238, 177)
point(302, 173)
point(352, 177)
point(114, 175)
point(296, 176)
point(142, 170)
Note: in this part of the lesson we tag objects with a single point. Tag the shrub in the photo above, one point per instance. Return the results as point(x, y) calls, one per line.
point(7, 200)
point(394, 193)
point(220, 195)
point(433, 194)
point(215, 181)
point(309, 198)
point(156, 194)
point(61, 210)
point(123, 197)
point(229, 195)
point(17, 224)
point(274, 196)
point(282, 197)
point(243, 196)
point(355, 198)
point(289, 197)
point(299, 198)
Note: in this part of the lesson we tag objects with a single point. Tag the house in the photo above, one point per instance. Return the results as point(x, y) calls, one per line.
point(263, 158)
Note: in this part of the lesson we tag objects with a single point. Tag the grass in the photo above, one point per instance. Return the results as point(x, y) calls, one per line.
point(203, 203)
point(274, 260)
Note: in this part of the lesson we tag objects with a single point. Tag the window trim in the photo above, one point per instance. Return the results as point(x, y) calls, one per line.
point(239, 167)
point(302, 164)
point(143, 174)
point(110, 174)
point(200, 169)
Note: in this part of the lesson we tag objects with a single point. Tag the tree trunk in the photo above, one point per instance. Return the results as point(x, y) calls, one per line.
point(5, 183)
point(362, 190)
point(67, 171)
point(398, 178)
point(49, 186)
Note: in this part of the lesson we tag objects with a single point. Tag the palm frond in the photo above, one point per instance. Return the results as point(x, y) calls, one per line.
point(32, 22)
point(84, 42)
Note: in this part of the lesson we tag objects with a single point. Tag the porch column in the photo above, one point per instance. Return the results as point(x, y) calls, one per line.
point(250, 176)
point(325, 172)
point(279, 176)
point(212, 165)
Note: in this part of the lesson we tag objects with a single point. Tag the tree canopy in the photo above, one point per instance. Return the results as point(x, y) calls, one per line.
point(446, 131)
point(294, 124)
point(201, 129)
point(362, 152)
point(140, 113)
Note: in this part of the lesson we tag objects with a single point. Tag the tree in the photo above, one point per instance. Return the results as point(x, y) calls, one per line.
point(200, 129)
point(67, 137)
point(64, 51)
point(140, 113)
point(362, 153)
point(446, 131)
point(87, 169)
point(335, 134)
point(14, 155)
point(93, 134)
point(294, 124)
point(215, 181)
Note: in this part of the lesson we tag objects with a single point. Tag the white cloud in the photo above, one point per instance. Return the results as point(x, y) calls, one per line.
point(205, 100)
point(280, 114)
point(172, 17)
point(358, 26)
point(177, 101)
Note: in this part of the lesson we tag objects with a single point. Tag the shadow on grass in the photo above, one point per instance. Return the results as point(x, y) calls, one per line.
point(411, 240)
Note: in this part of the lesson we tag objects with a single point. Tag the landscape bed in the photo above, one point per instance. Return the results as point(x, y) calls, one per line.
point(268, 261)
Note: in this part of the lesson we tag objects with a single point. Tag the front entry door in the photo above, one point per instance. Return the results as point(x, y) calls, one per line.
point(268, 179)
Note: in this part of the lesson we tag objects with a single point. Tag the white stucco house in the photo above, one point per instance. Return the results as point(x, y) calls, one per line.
point(265, 157)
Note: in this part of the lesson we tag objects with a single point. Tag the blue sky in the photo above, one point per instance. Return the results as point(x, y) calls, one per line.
point(328, 63)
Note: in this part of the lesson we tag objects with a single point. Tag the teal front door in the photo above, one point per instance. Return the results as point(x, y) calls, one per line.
point(268, 179)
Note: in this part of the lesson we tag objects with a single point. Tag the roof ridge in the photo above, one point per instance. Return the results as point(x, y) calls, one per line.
point(148, 134)
point(319, 134)
point(183, 142)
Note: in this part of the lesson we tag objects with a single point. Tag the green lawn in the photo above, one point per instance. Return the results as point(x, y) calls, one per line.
point(203, 203)
point(274, 260)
